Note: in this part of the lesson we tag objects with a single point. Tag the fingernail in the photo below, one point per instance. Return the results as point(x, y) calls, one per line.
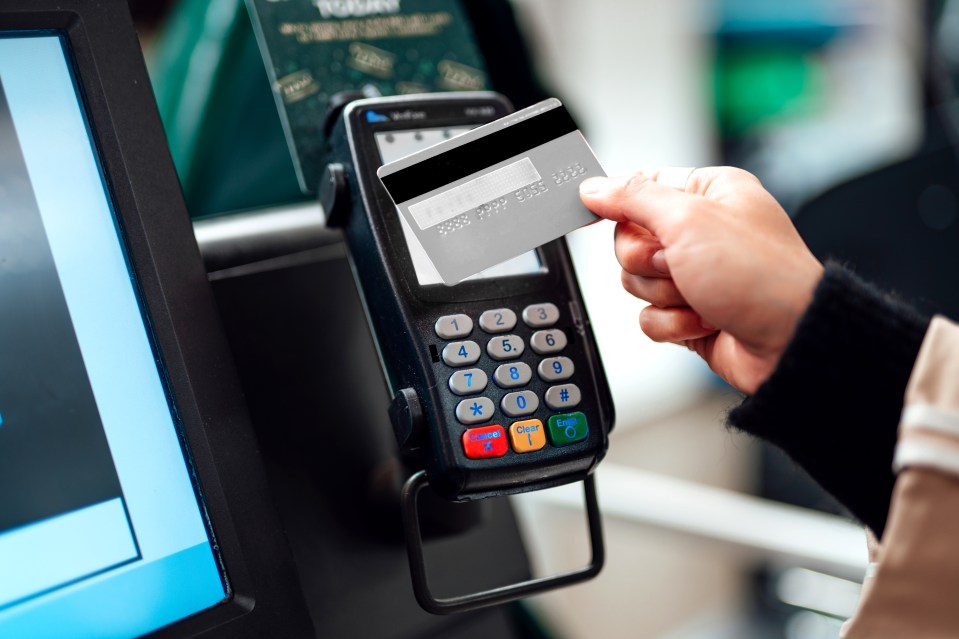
point(592, 185)
point(658, 261)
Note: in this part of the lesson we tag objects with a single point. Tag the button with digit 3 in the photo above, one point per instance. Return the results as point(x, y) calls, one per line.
point(512, 375)
point(498, 320)
point(520, 403)
point(540, 315)
point(563, 396)
point(553, 369)
point(505, 347)
point(461, 353)
point(453, 326)
point(469, 381)
point(475, 410)
point(551, 341)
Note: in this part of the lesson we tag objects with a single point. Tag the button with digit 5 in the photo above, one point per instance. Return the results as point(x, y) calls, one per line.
point(552, 369)
point(505, 347)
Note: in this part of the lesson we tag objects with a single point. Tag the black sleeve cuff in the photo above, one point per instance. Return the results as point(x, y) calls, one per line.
point(833, 403)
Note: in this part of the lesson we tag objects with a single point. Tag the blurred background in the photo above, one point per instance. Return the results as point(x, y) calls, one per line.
point(845, 109)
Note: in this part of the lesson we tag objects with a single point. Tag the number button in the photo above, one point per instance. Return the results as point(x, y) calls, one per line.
point(453, 326)
point(540, 315)
point(461, 353)
point(475, 410)
point(505, 347)
point(562, 397)
point(498, 320)
point(521, 403)
point(553, 369)
point(469, 381)
point(551, 341)
point(512, 375)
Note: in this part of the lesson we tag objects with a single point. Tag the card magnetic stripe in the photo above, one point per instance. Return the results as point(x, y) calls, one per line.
point(480, 154)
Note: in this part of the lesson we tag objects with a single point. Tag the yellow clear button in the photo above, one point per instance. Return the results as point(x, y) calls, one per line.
point(527, 435)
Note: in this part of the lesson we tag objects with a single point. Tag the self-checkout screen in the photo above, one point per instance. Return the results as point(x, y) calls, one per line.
point(102, 532)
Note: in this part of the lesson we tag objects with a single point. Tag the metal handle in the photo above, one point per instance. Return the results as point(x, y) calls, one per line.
point(502, 594)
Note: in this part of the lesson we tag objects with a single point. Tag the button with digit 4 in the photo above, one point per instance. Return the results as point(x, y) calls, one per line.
point(475, 410)
point(505, 347)
point(461, 353)
point(469, 381)
point(563, 396)
point(540, 315)
point(520, 403)
point(553, 369)
point(486, 441)
point(512, 375)
point(453, 326)
point(498, 320)
point(545, 342)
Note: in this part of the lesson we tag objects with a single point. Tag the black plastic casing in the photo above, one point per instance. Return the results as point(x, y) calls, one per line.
point(264, 598)
point(402, 314)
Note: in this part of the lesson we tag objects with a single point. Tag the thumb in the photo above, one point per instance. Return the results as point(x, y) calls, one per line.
point(634, 198)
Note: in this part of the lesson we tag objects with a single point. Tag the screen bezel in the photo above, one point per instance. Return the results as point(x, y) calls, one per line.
point(450, 110)
point(167, 272)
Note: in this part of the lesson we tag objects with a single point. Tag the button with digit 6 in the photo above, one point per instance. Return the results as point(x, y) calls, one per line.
point(554, 369)
point(545, 342)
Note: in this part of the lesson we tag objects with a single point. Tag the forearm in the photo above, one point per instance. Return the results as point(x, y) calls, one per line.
point(834, 400)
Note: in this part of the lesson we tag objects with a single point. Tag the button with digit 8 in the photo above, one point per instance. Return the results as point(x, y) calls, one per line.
point(512, 375)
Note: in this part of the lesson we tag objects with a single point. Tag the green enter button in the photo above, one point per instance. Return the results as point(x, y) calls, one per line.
point(566, 429)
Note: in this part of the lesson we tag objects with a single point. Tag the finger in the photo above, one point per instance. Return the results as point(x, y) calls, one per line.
point(635, 198)
point(673, 324)
point(636, 250)
point(658, 291)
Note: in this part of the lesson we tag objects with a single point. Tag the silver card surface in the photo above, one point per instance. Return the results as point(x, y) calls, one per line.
point(495, 192)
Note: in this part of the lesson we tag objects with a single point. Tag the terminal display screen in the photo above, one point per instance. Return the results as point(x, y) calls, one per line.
point(393, 145)
point(102, 531)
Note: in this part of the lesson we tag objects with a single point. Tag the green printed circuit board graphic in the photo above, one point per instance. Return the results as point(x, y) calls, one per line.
point(318, 48)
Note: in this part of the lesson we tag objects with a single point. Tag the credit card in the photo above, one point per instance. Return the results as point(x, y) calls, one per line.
point(495, 192)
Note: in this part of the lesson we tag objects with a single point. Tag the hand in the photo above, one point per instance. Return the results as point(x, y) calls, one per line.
point(724, 270)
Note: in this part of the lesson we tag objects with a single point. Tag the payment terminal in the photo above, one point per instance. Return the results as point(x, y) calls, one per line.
point(497, 383)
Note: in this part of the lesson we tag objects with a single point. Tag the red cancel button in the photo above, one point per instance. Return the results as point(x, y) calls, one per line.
point(487, 441)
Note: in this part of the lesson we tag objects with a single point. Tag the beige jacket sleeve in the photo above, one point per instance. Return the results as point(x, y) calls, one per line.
point(914, 591)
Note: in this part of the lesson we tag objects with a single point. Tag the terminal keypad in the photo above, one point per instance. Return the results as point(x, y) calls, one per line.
point(486, 421)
